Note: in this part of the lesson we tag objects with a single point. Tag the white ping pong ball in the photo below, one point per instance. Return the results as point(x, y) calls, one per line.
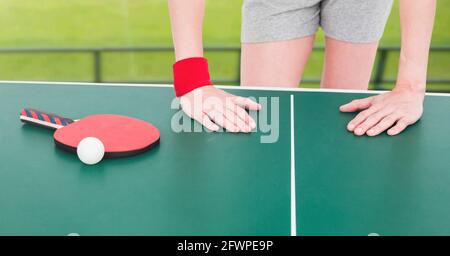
point(90, 150)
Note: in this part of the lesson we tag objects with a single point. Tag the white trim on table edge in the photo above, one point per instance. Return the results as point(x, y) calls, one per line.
point(256, 88)
point(293, 179)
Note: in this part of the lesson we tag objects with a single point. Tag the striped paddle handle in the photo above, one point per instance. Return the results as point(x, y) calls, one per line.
point(40, 118)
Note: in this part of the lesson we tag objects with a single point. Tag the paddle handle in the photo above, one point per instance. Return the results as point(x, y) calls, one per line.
point(40, 118)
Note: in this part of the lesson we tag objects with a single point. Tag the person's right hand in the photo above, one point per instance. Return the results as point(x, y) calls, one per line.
point(215, 108)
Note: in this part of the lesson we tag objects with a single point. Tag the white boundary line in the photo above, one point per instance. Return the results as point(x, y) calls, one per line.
point(293, 183)
point(254, 88)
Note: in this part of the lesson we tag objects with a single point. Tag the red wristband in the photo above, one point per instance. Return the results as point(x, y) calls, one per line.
point(190, 74)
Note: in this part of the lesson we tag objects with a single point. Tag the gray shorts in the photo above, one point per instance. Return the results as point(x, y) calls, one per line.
point(355, 21)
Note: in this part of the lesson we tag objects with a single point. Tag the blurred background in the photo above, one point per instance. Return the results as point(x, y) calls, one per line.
point(130, 41)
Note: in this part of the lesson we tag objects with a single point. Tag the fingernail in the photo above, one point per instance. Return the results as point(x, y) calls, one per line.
point(351, 127)
point(370, 132)
point(359, 131)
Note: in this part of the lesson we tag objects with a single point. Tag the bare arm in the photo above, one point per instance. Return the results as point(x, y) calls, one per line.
point(186, 17)
point(403, 106)
point(417, 20)
point(224, 109)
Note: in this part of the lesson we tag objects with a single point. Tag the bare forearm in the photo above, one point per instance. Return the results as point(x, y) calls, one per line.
point(186, 18)
point(417, 20)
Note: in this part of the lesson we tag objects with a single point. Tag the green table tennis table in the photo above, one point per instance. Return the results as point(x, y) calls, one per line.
point(301, 173)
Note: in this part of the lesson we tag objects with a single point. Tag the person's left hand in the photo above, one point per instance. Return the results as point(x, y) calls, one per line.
point(392, 111)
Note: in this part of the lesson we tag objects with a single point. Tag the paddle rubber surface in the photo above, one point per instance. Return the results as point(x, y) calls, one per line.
point(121, 135)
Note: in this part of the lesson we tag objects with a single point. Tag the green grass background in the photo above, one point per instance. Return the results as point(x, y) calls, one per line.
point(129, 23)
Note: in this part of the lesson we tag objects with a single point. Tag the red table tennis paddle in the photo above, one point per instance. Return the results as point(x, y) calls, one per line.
point(121, 135)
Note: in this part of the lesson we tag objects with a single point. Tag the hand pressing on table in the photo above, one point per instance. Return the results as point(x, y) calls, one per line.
point(215, 108)
point(392, 112)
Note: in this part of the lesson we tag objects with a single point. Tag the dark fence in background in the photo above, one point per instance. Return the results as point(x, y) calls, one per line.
point(378, 77)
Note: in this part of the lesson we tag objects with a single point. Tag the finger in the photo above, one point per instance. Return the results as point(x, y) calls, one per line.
point(398, 128)
point(357, 105)
point(371, 121)
point(242, 122)
point(239, 122)
point(219, 118)
point(204, 120)
point(232, 116)
point(361, 117)
point(210, 125)
point(246, 103)
point(249, 123)
point(383, 125)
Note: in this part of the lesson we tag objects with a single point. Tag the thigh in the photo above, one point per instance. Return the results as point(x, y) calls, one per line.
point(277, 38)
point(353, 29)
point(279, 63)
point(348, 65)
